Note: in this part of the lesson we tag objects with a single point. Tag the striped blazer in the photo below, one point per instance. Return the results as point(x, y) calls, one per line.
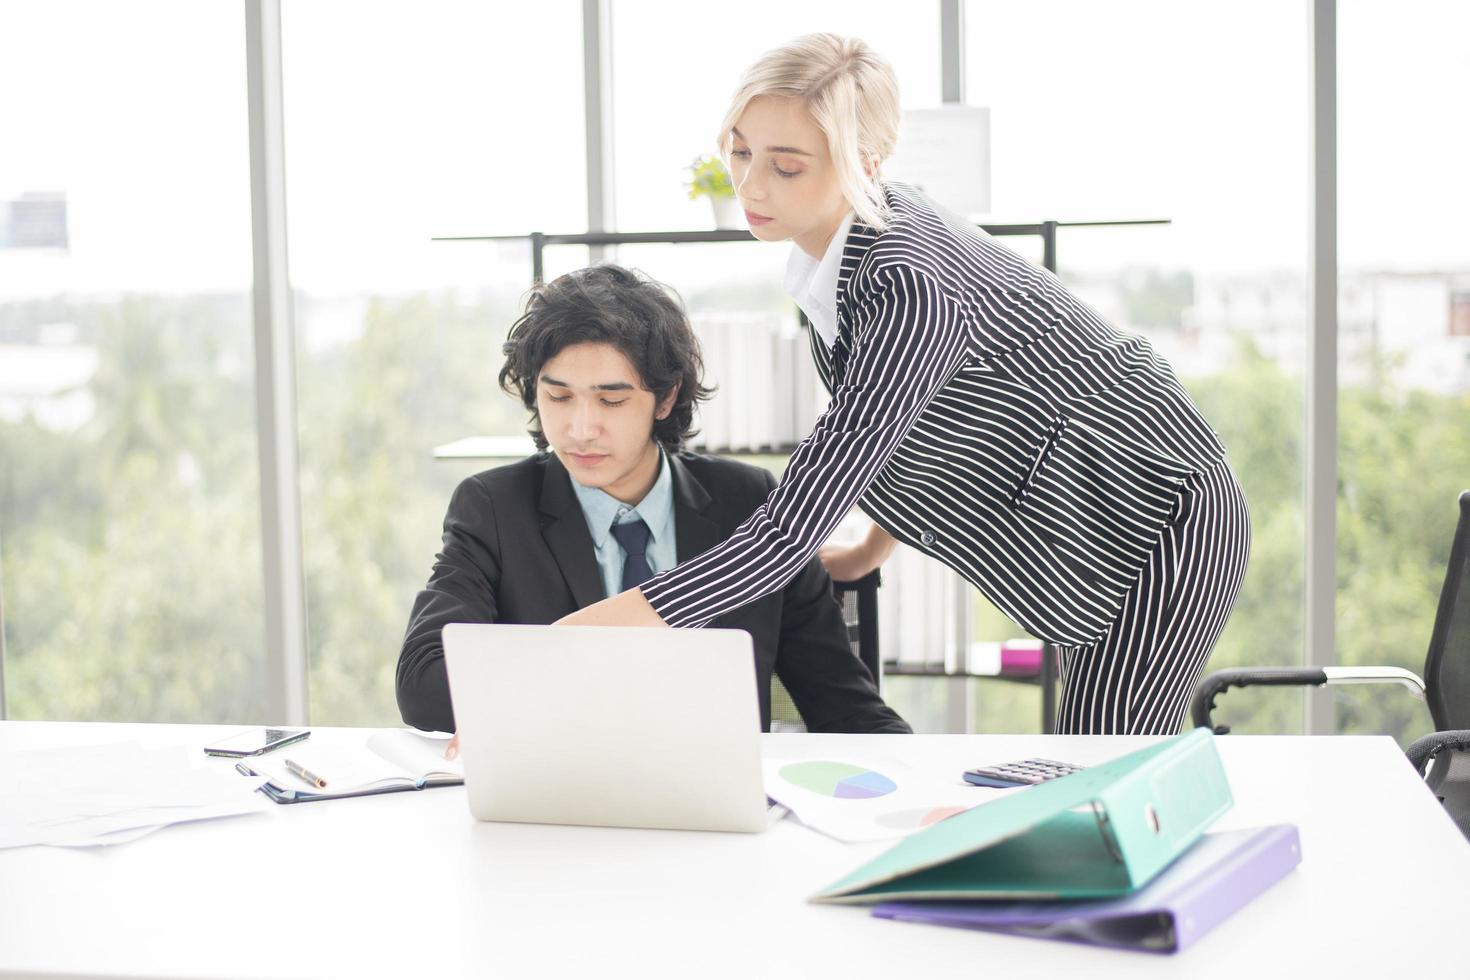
point(979, 413)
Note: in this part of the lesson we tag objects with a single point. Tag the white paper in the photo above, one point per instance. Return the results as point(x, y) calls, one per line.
point(122, 828)
point(866, 798)
point(416, 751)
point(97, 794)
point(345, 768)
point(946, 152)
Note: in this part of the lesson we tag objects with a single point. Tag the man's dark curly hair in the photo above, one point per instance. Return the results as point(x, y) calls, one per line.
point(609, 304)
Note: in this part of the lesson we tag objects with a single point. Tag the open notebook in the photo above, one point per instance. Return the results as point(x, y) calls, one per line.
point(389, 762)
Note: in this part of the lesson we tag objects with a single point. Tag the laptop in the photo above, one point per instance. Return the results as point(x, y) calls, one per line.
point(608, 726)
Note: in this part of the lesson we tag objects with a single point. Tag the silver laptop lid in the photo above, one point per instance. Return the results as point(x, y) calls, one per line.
point(608, 726)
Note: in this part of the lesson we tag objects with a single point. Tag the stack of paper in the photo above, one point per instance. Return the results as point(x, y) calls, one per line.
point(107, 794)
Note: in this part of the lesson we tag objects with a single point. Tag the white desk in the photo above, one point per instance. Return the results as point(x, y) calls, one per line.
point(410, 885)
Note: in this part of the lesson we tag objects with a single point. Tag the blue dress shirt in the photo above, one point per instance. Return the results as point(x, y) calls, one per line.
point(656, 509)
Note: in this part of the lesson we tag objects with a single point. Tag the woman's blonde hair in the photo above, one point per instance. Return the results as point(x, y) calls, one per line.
point(851, 94)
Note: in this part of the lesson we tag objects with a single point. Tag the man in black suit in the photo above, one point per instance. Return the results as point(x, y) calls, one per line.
point(606, 363)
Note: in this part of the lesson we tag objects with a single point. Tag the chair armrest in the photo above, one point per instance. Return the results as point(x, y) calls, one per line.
point(1376, 675)
point(1213, 685)
point(1221, 680)
point(1427, 747)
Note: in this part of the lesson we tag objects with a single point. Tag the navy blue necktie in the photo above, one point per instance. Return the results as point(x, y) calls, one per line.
point(633, 536)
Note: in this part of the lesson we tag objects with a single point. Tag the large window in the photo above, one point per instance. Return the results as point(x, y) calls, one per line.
point(129, 502)
point(1403, 351)
point(672, 86)
point(449, 118)
point(1122, 111)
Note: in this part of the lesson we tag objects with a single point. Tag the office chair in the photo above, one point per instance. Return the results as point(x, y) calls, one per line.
point(859, 602)
point(1449, 779)
point(1445, 685)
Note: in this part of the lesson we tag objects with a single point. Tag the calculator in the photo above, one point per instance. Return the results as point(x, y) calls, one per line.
point(1027, 772)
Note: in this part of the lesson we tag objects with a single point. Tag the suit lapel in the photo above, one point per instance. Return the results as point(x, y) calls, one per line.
point(860, 238)
point(820, 354)
point(564, 529)
point(695, 531)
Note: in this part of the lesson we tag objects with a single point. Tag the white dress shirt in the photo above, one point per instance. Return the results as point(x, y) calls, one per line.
point(656, 509)
point(813, 284)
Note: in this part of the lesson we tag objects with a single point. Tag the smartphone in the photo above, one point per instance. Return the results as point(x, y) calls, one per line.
point(256, 741)
point(1027, 772)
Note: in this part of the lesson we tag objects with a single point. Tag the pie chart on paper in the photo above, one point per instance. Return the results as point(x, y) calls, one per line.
point(839, 780)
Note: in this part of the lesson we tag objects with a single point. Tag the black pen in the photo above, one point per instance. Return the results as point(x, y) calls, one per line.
point(297, 769)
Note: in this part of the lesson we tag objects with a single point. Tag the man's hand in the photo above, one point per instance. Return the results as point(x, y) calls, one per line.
point(451, 751)
point(848, 563)
point(624, 609)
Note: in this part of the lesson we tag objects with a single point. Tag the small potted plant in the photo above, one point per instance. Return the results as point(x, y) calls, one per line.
point(708, 178)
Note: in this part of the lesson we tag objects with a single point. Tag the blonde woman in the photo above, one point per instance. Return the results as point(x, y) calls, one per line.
point(979, 413)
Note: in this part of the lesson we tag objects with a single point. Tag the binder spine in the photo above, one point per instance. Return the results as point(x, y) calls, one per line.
point(1272, 854)
point(1157, 811)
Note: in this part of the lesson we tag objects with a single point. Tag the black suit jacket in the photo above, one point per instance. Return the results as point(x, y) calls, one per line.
point(517, 550)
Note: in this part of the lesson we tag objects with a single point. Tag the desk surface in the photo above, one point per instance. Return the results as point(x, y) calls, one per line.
point(410, 885)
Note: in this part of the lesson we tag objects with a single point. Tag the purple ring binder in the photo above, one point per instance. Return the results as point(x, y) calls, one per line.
point(1220, 874)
